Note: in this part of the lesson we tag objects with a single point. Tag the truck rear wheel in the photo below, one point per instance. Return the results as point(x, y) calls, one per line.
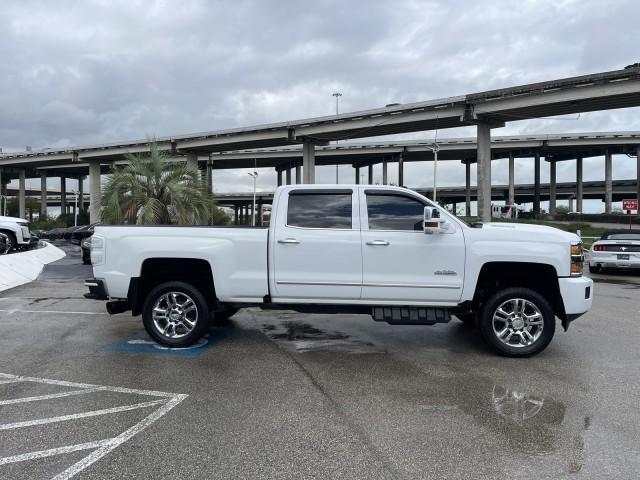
point(517, 322)
point(175, 314)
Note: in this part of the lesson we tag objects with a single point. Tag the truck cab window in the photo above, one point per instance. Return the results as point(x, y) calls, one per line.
point(394, 212)
point(319, 210)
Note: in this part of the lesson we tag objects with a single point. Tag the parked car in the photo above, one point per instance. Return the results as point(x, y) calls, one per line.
point(85, 231)
point(56, 233)
point(4, 244)
point(616, 250)
point(17, 230)
point(69, 232)
point(382, 250)
point(85, 245)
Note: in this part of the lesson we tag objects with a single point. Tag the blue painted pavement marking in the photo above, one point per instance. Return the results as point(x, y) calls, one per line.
point(144, 344)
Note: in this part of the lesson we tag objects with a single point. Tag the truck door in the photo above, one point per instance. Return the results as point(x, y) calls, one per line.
point(400, 261)
point(317, 248)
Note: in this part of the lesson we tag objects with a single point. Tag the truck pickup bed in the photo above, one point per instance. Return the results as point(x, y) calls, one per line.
point(383, 250)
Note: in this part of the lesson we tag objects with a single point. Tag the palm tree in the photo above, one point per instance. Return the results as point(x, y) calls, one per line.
point(153, 190)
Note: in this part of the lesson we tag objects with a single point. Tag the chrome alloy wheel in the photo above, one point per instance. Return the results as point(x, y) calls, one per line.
point(174, 314)
point(518, 322)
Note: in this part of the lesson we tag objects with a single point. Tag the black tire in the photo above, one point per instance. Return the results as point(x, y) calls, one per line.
point(198, 330)
point(596, 269)
point(222, 317)
point(13, 242)
point(485, 322)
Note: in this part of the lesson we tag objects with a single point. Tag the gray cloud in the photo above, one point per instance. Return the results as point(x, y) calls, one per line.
point(99, 71)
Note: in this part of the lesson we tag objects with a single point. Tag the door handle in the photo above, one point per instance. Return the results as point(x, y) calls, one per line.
point(378, 243)
point(288, 240)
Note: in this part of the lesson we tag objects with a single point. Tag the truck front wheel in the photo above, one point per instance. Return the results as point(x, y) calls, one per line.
point(175, 314)
point(517, 322)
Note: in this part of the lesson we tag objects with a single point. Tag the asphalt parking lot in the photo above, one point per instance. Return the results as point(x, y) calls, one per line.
point(284, 395)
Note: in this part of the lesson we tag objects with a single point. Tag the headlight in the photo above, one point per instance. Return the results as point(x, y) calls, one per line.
point(577, 260)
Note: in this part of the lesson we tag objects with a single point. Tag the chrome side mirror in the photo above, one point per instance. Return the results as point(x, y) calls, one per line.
point(432, 221)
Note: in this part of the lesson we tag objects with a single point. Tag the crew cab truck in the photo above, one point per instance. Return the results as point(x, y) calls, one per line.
point(17, 229)
point(382, 250)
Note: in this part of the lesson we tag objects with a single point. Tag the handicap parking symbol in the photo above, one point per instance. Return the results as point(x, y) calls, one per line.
point(144, 344)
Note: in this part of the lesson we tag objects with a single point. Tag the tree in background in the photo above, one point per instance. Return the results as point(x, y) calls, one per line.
point(153, 190)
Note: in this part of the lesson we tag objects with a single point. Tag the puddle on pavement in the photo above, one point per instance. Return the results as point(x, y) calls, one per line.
point(304, 337)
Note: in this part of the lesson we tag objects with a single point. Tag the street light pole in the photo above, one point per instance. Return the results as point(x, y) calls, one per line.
point(337, 95)
point(435, 171)
point(253, 216)
point(75, 210)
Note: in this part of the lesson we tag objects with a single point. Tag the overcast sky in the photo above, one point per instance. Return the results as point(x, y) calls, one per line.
point(85, 72)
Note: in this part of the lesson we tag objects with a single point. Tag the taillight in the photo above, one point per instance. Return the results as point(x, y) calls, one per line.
point(599, 248)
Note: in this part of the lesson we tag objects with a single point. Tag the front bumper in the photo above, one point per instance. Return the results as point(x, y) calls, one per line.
point(97, 289)
point(577, 296)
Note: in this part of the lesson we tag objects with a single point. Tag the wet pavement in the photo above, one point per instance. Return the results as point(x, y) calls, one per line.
point(286, 395)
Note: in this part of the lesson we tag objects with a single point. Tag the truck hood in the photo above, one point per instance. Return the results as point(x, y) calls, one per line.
point(13, 219)
point(541, 232)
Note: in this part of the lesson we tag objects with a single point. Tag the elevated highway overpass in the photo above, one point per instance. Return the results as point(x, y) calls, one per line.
point(486, 110)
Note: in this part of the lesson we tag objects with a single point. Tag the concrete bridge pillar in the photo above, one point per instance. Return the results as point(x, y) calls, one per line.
point(288, 175)
point(192, 161)
point(384, 173)
point(467, 188)
point(512, 188)
point(370, 174)
point(279, 174)
point(235, 214)
point(81, 193)
point(309, 162)
point(209, 176)
point(400, 170)
point(484, 171)
point(22, 204)
point(357, 172)
point(43, 196)
point(536, 184)
point(63, 195)
point(552, 186)
point(578, 184)
point(608, 185)
point(95, 200)
point(298, 173)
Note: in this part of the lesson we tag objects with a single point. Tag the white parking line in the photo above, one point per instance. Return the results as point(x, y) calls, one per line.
point(100, 448)
point(49, 396)
point(23, 457)
point(75, 416)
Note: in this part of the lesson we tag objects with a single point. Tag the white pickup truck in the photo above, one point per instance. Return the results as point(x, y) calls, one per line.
point(17, 229)
point(382, 250)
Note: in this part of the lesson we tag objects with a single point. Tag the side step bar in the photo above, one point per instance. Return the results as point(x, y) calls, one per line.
point(411, 315)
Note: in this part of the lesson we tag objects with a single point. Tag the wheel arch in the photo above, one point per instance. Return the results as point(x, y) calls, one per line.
point(154, 271)
point(540, 277)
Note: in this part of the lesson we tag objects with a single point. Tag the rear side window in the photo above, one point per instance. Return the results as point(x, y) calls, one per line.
point(394, 212)
point(320, 210)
